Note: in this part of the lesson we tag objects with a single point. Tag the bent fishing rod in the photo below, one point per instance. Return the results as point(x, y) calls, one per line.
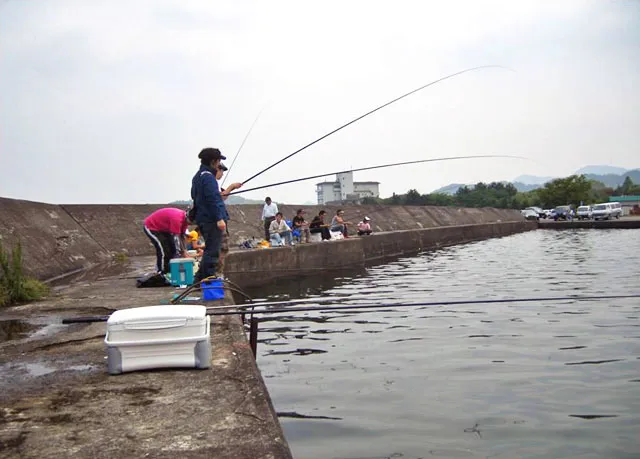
point(373, 111)
point(404, 163)
point(215, 311)
point(242, 145)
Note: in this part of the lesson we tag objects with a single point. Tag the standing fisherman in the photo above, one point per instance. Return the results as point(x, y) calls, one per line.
point(269, 211)
point(224, 246)
point(209, 210)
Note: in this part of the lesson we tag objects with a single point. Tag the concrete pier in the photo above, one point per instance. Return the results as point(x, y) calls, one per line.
point(622, 223)
point(56, 397)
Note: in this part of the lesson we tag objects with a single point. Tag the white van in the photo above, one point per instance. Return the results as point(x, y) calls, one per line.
point(602, 211)
point(616, 209)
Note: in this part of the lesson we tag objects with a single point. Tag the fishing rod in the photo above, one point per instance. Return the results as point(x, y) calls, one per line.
point(104, 318)
point(384, 306)
point(425, 304)
point(242, 145)
point(371, 112)
point(404, 163)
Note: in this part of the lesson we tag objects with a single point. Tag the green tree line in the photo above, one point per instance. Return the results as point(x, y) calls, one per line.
point(573, 190)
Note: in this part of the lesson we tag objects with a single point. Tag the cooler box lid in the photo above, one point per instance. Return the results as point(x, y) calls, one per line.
point(158, 313)
point(181, 260)
point(149, 324)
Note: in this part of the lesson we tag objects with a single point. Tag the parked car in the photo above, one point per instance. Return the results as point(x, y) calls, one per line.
point(584, 212)
point(616, 209)
point(563, 213)
point(603, 211)
point(547, 212)
point(530, 214)
point(541, 213)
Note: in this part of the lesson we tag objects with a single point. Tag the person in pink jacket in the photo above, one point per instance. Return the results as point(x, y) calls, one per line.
point(166, 229)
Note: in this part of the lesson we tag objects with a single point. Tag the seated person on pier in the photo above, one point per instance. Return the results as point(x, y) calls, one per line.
point(279, 230)
point(318, 225)
point(301, 225)
point(338, 223)
point(364, 228)
point(194, 243)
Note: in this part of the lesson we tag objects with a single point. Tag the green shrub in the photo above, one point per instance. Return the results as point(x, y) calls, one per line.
point(120, 257)
point(15, 287)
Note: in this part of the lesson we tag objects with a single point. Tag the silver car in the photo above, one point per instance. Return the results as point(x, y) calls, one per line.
point(584, 212)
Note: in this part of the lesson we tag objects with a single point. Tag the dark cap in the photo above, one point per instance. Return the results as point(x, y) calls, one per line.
point(222, 167)
point(210, 154)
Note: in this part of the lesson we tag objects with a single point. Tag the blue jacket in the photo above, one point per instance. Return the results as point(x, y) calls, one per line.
point(206, 197)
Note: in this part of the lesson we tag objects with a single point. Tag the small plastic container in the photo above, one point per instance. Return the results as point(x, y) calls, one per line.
point(212, 290)
point(182, 271)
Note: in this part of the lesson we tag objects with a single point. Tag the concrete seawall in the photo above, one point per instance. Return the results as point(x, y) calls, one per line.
point(58, 239)
point(260, 267)
point(623, 223)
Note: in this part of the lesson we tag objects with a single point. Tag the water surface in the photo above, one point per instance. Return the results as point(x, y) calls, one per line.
point(535, 380)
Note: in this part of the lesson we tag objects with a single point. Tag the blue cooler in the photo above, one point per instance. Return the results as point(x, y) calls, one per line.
point(213, 289)
point(182, 271)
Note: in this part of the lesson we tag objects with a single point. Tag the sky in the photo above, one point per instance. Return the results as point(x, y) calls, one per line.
point(111, 102)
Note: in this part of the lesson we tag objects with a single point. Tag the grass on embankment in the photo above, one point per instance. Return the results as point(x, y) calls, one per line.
point(15, 286)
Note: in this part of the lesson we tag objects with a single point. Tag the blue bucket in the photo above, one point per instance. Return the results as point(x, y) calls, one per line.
point(213, 290)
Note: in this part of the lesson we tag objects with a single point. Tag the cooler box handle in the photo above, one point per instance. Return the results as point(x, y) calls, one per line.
point(174, 323)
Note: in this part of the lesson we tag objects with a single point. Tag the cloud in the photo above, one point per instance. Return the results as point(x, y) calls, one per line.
point(111, 101)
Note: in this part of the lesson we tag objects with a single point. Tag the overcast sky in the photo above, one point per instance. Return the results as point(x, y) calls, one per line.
point(110, 102)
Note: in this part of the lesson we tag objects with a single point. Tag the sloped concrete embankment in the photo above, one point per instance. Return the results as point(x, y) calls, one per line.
point(58, 239)
point(261, 267)
point(52, 241)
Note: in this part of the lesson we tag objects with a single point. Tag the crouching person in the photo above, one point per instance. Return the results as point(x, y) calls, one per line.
point(279, 230)
point(166, 229)
point(364, 228)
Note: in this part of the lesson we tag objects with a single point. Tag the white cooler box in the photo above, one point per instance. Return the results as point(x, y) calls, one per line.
point(158, 337)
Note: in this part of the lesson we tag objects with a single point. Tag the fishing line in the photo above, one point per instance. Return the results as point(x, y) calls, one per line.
point(404, 163)
point(242, 145)
point(434, 303)
point(373, 111)
point(382, 306)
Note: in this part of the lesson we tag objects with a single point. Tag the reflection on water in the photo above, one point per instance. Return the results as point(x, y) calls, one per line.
point(535, 380)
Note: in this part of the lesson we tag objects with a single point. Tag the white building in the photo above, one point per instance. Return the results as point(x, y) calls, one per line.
point(345, 189)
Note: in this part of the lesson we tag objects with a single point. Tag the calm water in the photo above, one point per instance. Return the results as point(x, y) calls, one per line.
point(535, 380)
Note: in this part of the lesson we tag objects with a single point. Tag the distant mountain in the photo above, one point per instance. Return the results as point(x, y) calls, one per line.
point(614, 180)
point(453, 188)
point(450, 189)
point(531, 180)
point(233, 200)
point(611, 176)
point(601, 170)
point(522, 187)
point(240, 200)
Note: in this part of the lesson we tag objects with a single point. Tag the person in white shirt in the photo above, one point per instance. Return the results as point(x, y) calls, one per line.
point(269, 212)
point(278, 230)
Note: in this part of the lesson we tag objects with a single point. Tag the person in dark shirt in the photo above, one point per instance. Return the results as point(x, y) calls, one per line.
point(318, 226)
point(299, 224)
point(210, 213)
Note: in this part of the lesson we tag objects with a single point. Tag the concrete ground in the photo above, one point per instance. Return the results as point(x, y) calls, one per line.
point(57, 399)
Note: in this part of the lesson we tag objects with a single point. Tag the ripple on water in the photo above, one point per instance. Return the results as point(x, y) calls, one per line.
point(502, 380)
